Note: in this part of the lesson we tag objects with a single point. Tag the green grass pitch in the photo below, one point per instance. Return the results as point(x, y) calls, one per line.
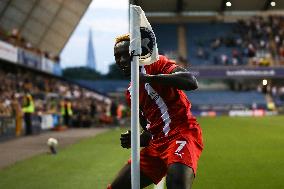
point(246, 153)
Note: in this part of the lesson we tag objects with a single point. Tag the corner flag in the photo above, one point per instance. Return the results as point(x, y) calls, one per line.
point(144, 32)
point(143, 48)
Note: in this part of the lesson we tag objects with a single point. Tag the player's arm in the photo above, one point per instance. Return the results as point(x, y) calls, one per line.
point(179, 78)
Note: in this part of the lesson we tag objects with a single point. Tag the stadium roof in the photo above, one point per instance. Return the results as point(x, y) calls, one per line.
point(47, 24)
point(206, 7)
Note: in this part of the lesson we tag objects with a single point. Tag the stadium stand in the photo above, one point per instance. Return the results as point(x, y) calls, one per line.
point(207, 45)
point(167, 45)
point(48, 91)
point(278, 95)
point(226, 100)
point(15, 38)
point(255, 41)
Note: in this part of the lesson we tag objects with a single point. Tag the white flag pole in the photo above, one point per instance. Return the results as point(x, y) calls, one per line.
point(135, 47)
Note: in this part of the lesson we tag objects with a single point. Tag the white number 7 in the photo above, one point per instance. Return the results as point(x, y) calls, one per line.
point(181, 146)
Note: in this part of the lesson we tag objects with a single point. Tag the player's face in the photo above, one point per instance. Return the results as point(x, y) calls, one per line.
point(122, 57)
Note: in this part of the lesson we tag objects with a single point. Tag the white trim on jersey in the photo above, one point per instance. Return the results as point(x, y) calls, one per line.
point(160, 103)
point(162, 106)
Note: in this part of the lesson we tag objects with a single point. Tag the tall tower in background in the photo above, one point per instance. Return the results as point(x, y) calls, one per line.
point(91, 61)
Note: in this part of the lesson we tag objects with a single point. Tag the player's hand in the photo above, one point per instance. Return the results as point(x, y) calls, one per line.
point(125, 139)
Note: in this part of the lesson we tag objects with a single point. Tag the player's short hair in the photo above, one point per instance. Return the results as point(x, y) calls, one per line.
point(125, 37)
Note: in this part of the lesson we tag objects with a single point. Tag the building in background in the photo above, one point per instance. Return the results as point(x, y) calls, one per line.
point(91, 61)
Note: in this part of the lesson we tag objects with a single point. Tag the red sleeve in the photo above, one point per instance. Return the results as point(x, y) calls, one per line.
point(165, 66)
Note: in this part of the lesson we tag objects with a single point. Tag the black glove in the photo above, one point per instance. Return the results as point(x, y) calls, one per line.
point(125, 139)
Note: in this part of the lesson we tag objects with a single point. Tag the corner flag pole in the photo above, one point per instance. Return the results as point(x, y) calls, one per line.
point(135, 49)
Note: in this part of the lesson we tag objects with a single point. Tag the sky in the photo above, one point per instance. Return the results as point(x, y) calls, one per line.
point(107, 19)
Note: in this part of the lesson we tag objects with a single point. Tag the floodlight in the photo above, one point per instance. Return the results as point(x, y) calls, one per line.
point(272, 3)
point(228, 4)
point(264, 82)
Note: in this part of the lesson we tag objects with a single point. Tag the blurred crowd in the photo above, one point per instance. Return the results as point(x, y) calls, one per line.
point(50, 94)
point(15, 38)
point(262, 39)
point(255, 41)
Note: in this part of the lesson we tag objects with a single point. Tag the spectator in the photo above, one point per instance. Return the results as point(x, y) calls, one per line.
point(235, 61)
point(251, 50)
point(28, 109)
point(66, 112)
point(216, 44)
point(224, 59)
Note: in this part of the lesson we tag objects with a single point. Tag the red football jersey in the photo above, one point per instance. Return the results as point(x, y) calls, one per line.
point(166, 109)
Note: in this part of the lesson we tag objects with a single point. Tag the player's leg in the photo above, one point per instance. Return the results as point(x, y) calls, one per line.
point(179, 176)
point(183, 155)
point(123, 179)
